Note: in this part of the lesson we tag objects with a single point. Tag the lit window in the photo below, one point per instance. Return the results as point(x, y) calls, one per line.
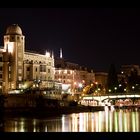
point(20, 78)
point(20, 71)
point(9, 68)
point(9, 75)
point(19, 63)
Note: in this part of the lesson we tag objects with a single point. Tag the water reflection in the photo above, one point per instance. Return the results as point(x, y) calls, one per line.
point(102, 121)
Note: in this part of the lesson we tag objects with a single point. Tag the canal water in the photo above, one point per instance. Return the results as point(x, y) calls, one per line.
point(101, 121)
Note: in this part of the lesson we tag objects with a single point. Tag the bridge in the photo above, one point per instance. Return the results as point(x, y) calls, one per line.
point(133, 98)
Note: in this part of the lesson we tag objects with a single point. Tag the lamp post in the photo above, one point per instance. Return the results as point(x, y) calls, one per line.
point(115, 89)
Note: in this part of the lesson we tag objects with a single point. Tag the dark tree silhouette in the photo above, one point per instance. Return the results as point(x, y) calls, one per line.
point(134, 81)
point(122, 85)
point(112, 80)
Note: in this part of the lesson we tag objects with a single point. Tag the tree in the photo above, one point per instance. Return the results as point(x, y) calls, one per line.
point(134, 81)
point(122, 85)
point(112, 81)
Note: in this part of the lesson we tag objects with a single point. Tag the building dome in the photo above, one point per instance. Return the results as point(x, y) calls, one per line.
point(14, 29)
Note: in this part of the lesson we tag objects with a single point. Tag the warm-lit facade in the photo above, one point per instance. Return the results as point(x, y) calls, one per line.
point(72, 76)
point(20, 69)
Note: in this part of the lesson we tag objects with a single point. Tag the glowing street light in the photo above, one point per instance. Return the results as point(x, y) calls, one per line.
point(109, 90)
point(80, 85)
point(115, 88)
point(120, 85)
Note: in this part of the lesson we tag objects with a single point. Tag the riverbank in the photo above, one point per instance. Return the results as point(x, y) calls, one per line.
point(49, 111)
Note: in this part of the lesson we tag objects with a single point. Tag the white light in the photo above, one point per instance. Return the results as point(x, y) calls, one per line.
point(10, 47)
point(80, 85)
point(75, 83)
point(65, 71)
point(99, 89)
point(120, 85)
point(109, 90)
point(47, 54)
point(96, 83)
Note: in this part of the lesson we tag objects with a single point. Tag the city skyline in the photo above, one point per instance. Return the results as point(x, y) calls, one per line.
point(93, 37)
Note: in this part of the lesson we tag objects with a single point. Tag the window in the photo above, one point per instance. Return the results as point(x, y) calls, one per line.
point(0, 59)
point(68, 72)
point(36, 69)
point(49, 71)
point(49, 63)
point(0, 75)
point(9, 68)
point(12, 38)
point(20, 71)
point(9, 75)
point(28, 68)
point(20, 78)
point(0, 68)
point(42, 68)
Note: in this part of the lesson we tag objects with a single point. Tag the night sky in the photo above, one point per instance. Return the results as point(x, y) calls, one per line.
point(93, 37)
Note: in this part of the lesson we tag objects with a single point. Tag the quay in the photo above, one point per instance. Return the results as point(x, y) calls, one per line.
point(35, 105)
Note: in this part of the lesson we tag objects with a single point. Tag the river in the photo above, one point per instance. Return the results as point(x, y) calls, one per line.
point(101, 121)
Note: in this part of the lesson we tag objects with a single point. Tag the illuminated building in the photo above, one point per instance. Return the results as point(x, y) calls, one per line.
point(20, 69)
point(72, 76)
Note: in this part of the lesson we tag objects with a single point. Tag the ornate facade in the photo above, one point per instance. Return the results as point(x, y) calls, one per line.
point(20, 69)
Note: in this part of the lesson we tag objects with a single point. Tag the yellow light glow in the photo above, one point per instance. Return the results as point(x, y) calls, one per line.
point(96, 83)
point(75, 83)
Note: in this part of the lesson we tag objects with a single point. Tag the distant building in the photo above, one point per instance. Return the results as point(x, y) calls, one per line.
point(101, 78)
point(72, 76)
point(126, 69)
point(20, 69)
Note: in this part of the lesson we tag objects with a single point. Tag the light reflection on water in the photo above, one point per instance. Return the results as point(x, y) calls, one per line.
point(102, 121)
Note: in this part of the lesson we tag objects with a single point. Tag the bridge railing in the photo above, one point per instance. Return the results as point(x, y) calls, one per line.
point(115, 94)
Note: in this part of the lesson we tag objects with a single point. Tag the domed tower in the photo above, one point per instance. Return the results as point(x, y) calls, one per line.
point(14, 44)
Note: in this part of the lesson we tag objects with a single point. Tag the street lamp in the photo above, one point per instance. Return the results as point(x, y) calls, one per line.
point(109, 90)
point(115, 89)
point(133, 87)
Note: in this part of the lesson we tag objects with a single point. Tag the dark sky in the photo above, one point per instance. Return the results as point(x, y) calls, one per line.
point(93, 37)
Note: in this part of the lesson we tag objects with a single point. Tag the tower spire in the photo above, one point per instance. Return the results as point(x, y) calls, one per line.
point(61, 53)
point(52, 54)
